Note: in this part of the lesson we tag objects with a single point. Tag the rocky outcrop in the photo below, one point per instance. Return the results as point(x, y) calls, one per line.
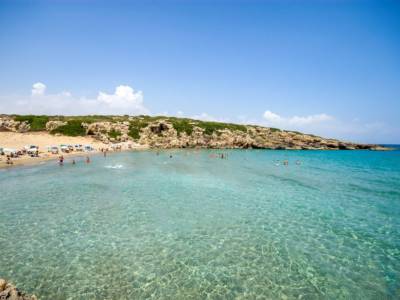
point(51, 125)
point(164, 132)
point(9, 124)
point(9, 292)
point(108, 132)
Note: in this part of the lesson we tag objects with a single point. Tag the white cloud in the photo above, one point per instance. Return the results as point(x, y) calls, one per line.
point(277, 120)
point(125, 100)
point(124, 97)
point(38, 89)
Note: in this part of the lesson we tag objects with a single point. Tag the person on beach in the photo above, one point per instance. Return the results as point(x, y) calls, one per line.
point(9, 161)
point(87, 159)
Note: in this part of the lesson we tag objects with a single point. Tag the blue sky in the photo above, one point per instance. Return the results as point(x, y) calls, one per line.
point(325, 67)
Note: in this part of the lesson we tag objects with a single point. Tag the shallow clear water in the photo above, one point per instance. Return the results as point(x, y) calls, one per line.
point(140, 225)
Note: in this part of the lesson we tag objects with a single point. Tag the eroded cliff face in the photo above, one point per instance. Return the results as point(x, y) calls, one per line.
point(9, 124)
point(167, 133)
point(162, 134)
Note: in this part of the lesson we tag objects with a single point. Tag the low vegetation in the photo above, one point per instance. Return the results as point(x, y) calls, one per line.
point(182, 125)
point(135, 126)
point(114, 133)
point(136, 123)
point(211, 127)
point(72, 128)
point(37, 123)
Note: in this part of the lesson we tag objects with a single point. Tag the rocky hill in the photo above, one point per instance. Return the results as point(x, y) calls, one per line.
point(171, 132)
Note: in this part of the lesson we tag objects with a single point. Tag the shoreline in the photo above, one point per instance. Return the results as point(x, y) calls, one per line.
point(28, 161)
point(34, 161)
point(41, 139)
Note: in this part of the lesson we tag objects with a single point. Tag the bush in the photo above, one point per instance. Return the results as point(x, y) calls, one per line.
point(37, 123)
point(182, 125)
point(114, 133)
point(272, 129)
point(72, 128)
point(135, 127)
point(211, 127)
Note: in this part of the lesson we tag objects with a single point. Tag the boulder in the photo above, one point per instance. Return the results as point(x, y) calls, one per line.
point(9, 292)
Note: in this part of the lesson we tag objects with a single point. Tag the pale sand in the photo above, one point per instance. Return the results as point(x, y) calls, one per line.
point(43, 139)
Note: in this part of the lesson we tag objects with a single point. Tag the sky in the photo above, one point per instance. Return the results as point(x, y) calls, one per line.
point(330, 68)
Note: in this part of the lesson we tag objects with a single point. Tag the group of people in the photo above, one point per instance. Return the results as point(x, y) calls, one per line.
point(286, 162)
point(61, 160)
point(219, 155)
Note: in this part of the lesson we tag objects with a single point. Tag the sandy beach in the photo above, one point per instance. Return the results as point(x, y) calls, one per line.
point(43, 139)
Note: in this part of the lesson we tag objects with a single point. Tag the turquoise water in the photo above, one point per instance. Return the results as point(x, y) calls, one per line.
point(140, 225)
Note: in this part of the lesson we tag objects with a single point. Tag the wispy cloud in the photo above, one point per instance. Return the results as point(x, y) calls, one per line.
point(276, 120)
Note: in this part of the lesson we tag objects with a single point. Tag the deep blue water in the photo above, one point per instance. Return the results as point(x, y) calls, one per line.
point(139, 225)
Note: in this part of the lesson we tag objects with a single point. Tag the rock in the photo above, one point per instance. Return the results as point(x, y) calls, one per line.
point(160, 133)
point(9, 292)
point(3, 284)
point(51, 125)
point(9, 124)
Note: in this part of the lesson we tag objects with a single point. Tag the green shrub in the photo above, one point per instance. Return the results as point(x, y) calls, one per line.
point(182, 125)
point(92, 118)
point(72, 128)
point(135, 126)
point(114, 133)
point(272, 129)
point(37, 123)
point(211, 127)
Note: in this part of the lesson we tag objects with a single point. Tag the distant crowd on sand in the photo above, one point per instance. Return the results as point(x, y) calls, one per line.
point(28, 152)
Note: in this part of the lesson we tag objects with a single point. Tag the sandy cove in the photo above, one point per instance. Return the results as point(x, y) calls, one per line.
point(42, 140)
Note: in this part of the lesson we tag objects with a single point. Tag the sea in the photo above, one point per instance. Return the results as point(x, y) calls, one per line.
point(188, 224)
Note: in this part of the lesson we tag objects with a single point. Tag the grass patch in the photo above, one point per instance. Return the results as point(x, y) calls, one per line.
point(72, 128)
point(37, 123)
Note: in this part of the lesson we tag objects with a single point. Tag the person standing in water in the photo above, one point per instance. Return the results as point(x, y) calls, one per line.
point(87, 159)
point(61, 160)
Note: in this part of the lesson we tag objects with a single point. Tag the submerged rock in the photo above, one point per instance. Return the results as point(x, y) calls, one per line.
point(9, 292)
